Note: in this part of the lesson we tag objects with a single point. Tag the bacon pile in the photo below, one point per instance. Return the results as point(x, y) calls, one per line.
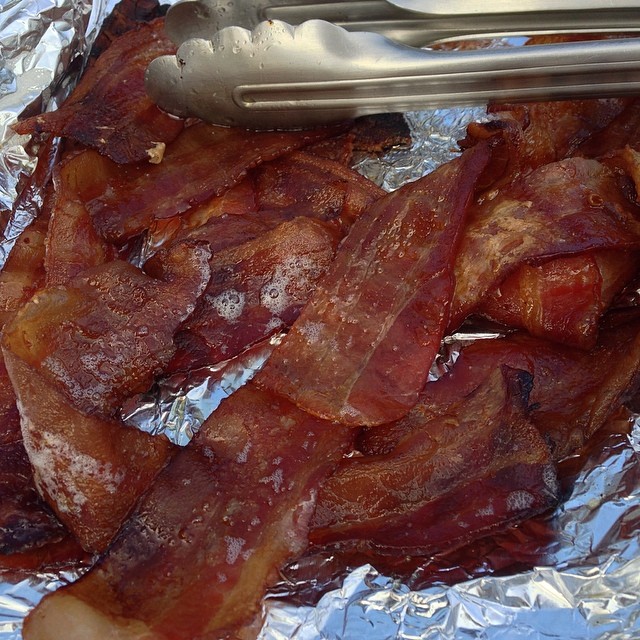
point(165, 245)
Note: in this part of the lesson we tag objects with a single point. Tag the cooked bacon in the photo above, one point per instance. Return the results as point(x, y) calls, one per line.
point(72, 243)
point(203, 162)
point(315, 186)
point(361, 350)
point(26, 523)
point(126, 15)
point(23, 272)
point(256, 288)
point(109, 331)
point(463, 470)
point(574, 392)
point(561, 208)
point(209, 537)
point(109, 110)
point(564, 298)
point(621, 132)
point(223, 221)
point(91, 471)
point(370, 135)
point(574, 122)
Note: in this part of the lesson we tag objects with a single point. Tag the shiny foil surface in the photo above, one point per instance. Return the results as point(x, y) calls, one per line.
point(582, 576)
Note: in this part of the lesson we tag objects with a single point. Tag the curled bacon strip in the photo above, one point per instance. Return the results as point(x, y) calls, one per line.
point(562, 299)
point(91, 471)
point(361, 349)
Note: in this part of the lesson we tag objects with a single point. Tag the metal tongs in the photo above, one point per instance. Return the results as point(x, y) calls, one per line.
point(357, 58)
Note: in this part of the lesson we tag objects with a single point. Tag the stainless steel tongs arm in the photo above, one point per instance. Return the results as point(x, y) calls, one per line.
point(280, 76)
point(202, 18)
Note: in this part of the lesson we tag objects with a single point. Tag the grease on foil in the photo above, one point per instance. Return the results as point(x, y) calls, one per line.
point(586, 583)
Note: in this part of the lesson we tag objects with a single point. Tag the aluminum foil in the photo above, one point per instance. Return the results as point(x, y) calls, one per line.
point(585, 581)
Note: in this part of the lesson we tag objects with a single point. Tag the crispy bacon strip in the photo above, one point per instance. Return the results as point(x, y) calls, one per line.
point(109, 110)
point(559, 209)
point(26, 523)
point(562, 299)
point(91, 471)
point(203, 162)
point(109, 331)
point(256, 289)
point(361, 350)
point(210, 535)
point(466, 469)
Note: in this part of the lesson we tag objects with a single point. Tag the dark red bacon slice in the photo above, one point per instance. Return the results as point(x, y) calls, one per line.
point(256, 288)
point(203, 162)
point(223, 221)
point(465, 469)
point(361, 350)
point(109, 110)
point(91, 471)
point(209, 537)
point(562, 299)
point(623, 131)
point(106, 334)
point(561, 208)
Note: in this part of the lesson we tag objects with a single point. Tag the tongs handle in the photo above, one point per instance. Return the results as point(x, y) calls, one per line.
point(475, 7)
point(286, 77)
point(202, 18)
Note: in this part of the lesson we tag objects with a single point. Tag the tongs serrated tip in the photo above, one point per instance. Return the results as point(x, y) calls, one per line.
point(283, 76)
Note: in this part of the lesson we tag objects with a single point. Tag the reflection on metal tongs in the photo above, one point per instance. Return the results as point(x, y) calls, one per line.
point(357, 59)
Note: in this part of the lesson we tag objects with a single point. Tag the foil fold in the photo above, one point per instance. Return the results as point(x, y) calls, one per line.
point(586, 579)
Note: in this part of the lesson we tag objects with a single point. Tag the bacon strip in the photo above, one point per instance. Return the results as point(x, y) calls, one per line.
point(72, 243)
point(227, 512)
point(326, 189)
point(91, 471)
point(361, 349)
point(559, 209)
point(109, 331)
point(463, 470)
point(109, 110)
point(562, 299)
point(203, 162)
point(256, 289)
point(574, 392)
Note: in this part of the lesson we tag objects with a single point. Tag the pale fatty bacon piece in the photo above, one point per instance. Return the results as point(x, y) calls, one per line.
point(105, 335)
